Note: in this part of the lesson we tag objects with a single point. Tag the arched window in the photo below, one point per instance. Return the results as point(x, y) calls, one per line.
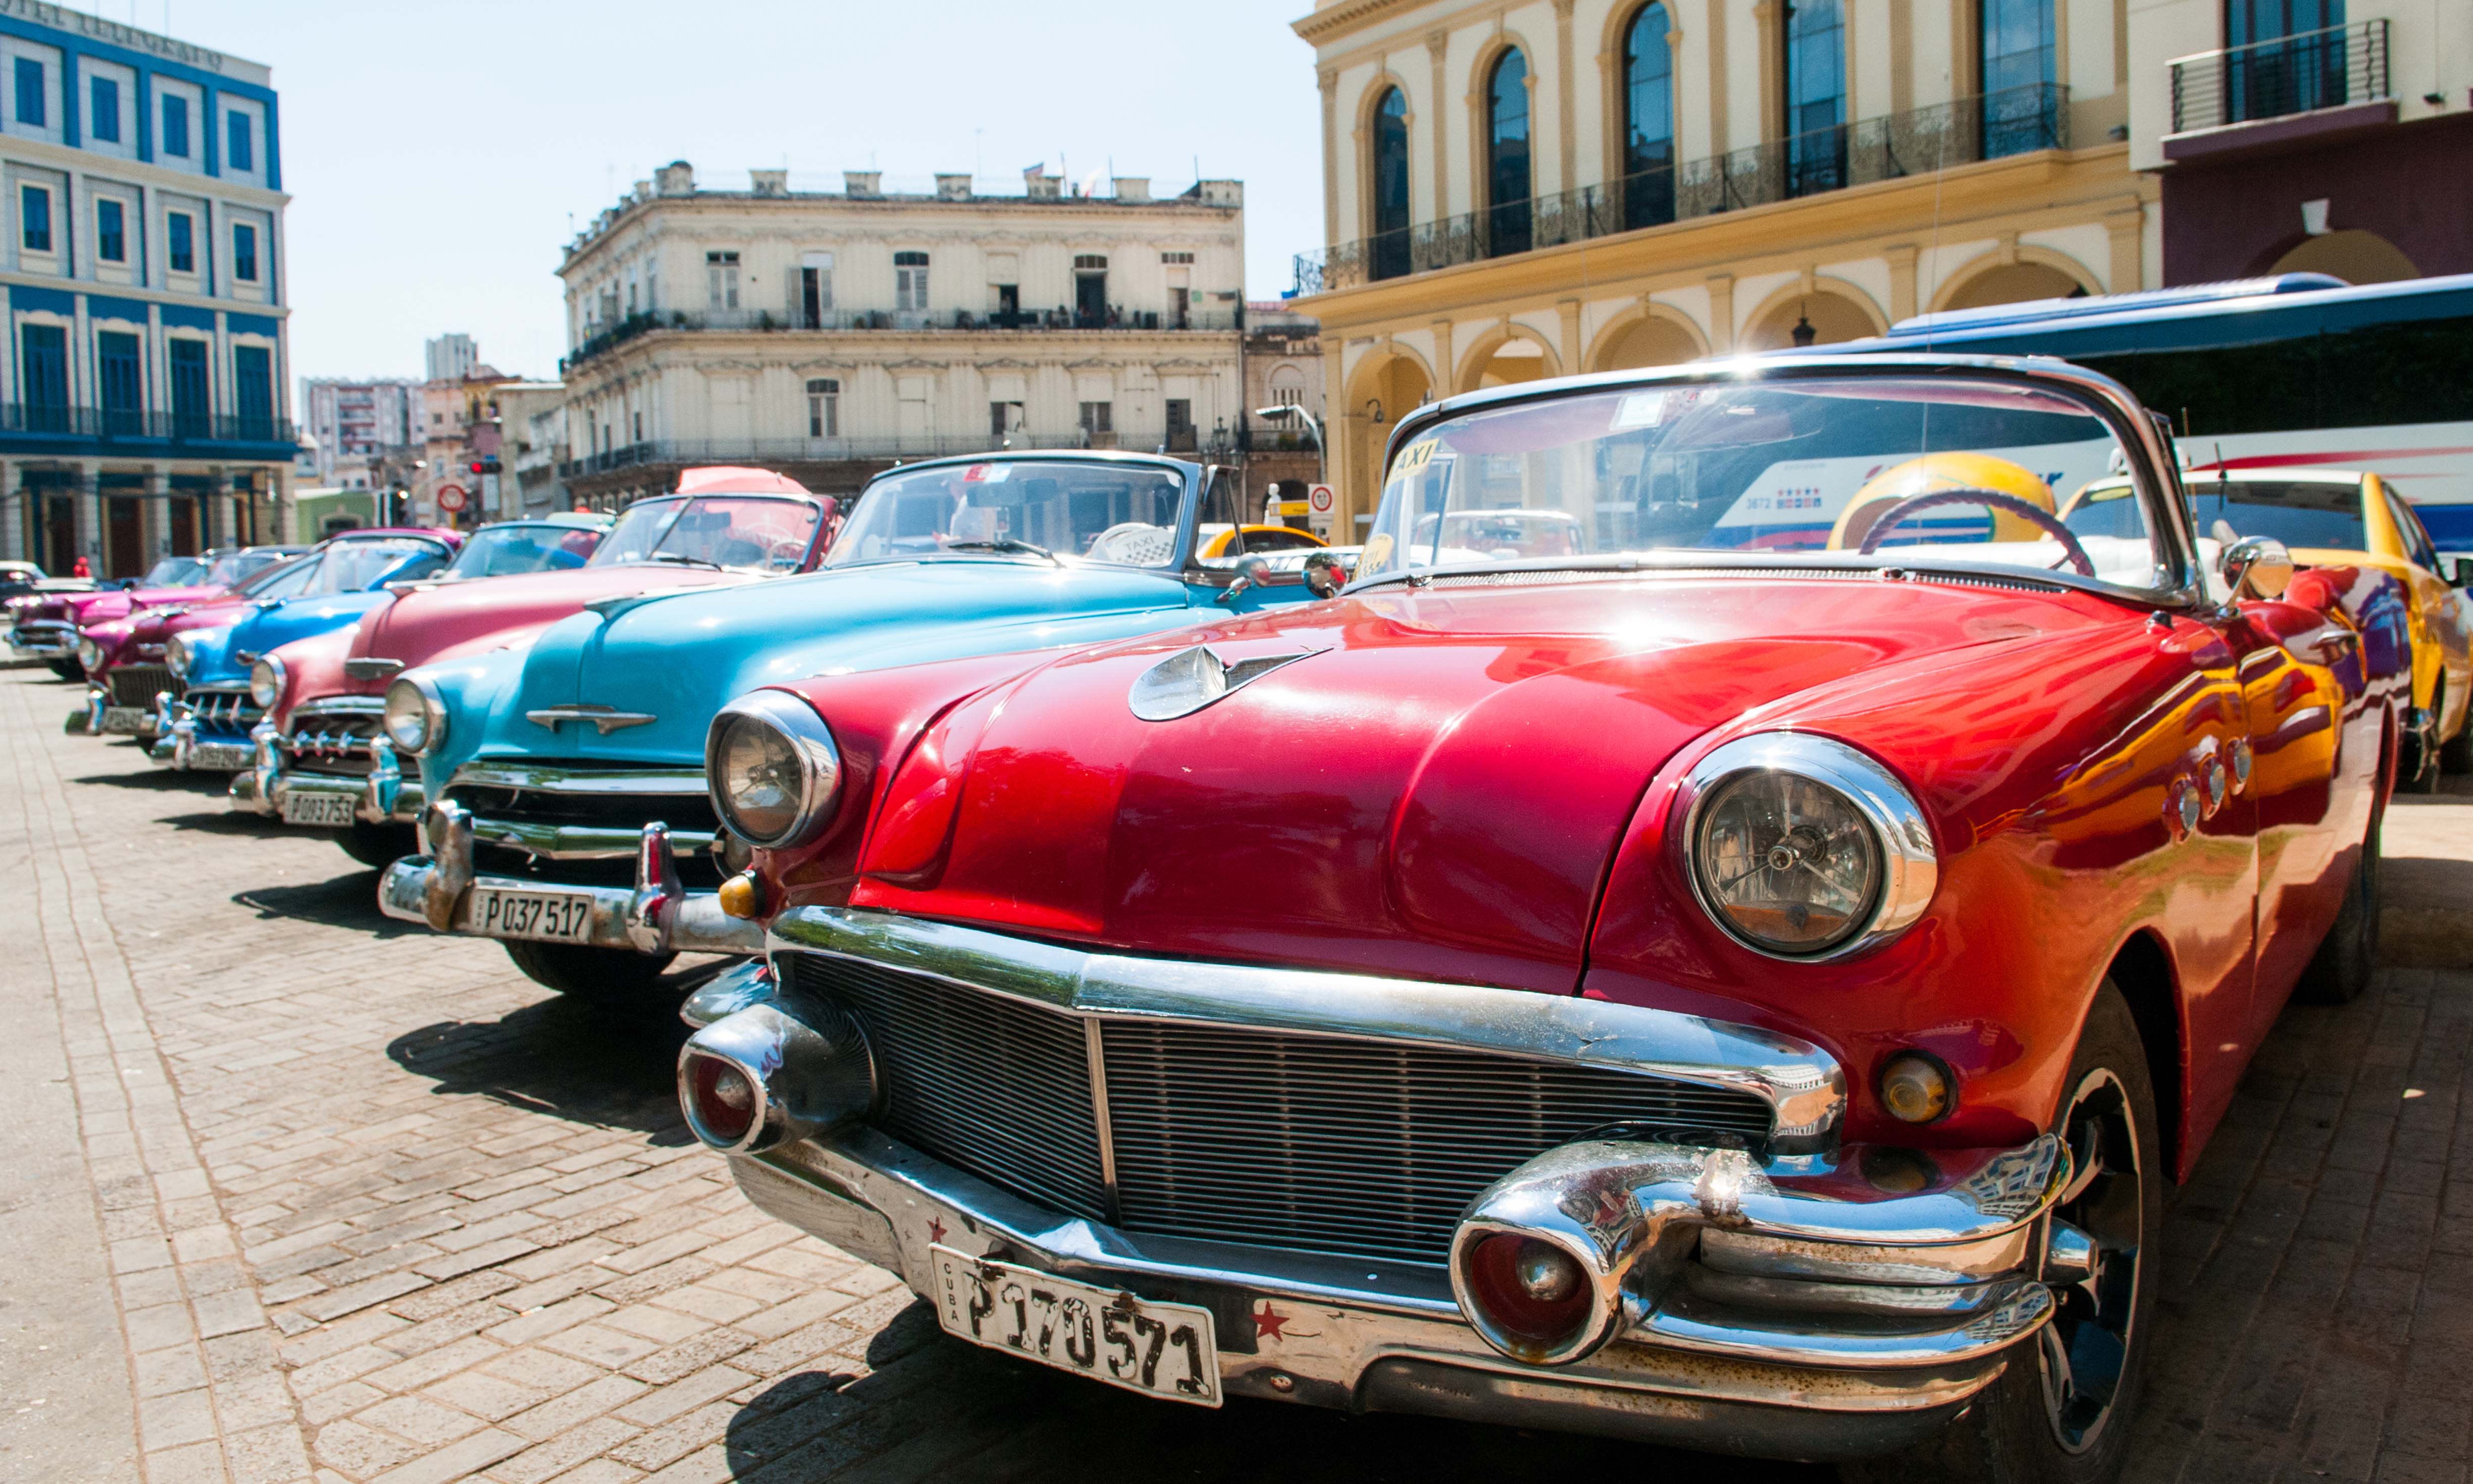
point(2019, 102)
point(1390, 253)
point(1648, 120)
point(1508, 181)
point(1815, 96)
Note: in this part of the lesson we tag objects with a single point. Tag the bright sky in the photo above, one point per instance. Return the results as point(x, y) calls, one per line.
point(440, 154)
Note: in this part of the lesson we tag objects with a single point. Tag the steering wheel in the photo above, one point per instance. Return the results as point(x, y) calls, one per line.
point(2033, 513)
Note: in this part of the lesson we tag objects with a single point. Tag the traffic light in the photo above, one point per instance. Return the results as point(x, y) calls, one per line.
point(485, 466)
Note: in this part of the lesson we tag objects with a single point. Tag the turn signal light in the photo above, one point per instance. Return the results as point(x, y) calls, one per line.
point(1529, 1289)
point(742, 896)
point(1916, 1088)
point(723, 1099)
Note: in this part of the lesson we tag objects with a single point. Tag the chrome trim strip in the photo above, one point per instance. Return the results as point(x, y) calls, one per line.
point(1095, 1056)
point(697, 924)
point(604, 719)
point(342, 706)
point(577, 842)
point(1802, 1083)
point(497, 774)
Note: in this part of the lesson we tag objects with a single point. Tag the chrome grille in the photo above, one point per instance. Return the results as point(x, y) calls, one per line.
point(331, 739)
point(1275, 1139)
point(224, 710)
point(138, 684)
point(1338, 1145)
point(994, 1086)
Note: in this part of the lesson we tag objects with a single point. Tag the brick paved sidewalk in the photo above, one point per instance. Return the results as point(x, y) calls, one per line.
point(378, 1208)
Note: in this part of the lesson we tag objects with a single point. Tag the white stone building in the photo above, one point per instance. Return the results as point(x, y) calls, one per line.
point(828, 334)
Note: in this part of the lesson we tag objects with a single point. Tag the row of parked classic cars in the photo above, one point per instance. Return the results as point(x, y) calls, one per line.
point(1717, 923)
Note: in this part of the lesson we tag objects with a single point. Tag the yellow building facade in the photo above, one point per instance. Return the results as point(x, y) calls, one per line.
point(1536, 188)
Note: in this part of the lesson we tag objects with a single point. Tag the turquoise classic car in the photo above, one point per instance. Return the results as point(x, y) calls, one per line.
point(568, 814)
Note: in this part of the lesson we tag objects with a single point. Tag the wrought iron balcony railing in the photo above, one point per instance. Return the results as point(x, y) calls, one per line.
point(1113, 317)
point(2295, 74)
point(2013, 121)
point(118, 426)
point(1188, 441)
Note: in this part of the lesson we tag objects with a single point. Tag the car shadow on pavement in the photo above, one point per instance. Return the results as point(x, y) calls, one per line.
point(348, 901)
point(931, 1405)
point(615, 1065)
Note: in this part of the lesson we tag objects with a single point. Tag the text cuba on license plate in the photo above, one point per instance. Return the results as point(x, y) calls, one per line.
point(554, 917)
point(1160, 1350)
point(335, 809)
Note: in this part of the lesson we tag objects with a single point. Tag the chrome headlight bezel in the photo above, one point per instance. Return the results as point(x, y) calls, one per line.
point(1905, 856)
point(90, 655)
point(420, 700)
point(266, 678)
point(176, 655)
point(810, 742)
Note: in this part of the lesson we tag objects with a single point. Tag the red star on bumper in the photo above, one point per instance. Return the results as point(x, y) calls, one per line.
point(1268, 1322)
point(935, 1230)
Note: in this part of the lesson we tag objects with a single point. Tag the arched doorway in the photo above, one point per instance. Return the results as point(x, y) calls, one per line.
point(2354, 256)
point(1511, 360)
point(1650, 340)
point(1380, 392)
point(1830, 319)
point(2013, 283)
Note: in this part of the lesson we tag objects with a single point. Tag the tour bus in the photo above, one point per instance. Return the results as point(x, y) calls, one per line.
point(2301, 368)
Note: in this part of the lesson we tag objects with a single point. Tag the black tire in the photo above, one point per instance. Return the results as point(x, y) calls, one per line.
point(589, 974)
point(2340, 969)
point(68, 669)
point(2037, 1424)
point(379, 845)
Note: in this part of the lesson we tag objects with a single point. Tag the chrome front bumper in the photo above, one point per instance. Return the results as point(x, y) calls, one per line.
point(43, 640)
point(98, 709)
point(384, 796)
point(188, 742)
point(658, 914)
point(1833, 1303)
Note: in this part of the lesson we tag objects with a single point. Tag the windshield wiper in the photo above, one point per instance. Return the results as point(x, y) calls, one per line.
point(685, 560)
point(1006, 544)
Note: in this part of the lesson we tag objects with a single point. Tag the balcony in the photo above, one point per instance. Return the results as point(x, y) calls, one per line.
point(2341, 66)
point(38, 425)
point(1988, 126)
point(767, 320)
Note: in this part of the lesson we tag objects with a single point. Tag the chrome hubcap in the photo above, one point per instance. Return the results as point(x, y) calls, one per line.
point(2093, 1251)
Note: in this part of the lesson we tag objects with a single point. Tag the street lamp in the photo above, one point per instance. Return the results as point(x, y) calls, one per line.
point(1322, 459)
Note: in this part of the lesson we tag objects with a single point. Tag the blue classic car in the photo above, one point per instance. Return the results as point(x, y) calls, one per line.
point(226, 683)
point(568, 814)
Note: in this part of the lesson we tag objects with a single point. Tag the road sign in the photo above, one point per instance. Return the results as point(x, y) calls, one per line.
point(1320, 498)
point(450, 497)
point(1319, 516)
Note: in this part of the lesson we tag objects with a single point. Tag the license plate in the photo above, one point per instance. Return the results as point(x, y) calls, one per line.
point(554, 916)
point(124, 720)
point(229, 757)
point(1168, 1351)
point(331, 810)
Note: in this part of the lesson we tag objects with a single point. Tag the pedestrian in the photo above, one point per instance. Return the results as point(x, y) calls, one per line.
point(80, 569)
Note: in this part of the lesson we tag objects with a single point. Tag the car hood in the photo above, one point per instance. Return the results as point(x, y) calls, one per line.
point(256, 629)
point(435, 621)
point(1435, 789)
point(92, 608)
point(678, 658)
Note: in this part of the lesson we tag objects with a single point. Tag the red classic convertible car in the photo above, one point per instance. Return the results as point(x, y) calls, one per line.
point(1744, 981)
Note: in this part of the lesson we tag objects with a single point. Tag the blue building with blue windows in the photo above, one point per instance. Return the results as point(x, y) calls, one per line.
point(142, 410)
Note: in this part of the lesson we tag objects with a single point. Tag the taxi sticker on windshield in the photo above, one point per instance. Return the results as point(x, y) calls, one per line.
point(1415, 456)
point(1377, 554)
point(986, 473)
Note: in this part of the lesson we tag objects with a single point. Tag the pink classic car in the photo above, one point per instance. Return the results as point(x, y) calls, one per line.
point(321, 758)
point(47, 625)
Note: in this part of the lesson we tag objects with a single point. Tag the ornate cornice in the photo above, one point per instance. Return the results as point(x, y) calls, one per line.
point(1334, 21)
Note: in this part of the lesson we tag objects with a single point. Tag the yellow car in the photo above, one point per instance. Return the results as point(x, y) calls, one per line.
point(2339, 518)
point(1220, 541)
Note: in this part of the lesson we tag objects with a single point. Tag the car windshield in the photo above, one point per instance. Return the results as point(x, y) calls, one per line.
point(1119, 513)
point(357, 566)
point(281, 579)
point(1885, 471)
point(747, 532)
point(502, 551)
point(233, 566)
point(2298, 513)
point(172, 572)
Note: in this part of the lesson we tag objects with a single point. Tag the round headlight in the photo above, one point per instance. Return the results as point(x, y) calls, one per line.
point(266, 681)
point(90, 655)
point(1803, 848)
point(415, 717)
point(773, 768)
point(176, 656)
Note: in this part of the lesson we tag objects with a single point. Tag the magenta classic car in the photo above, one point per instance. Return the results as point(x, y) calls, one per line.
point(321, 758)
point(48, 626)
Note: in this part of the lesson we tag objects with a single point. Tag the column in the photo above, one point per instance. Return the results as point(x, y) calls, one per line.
point(1331, 232)
point(2127, 228)
point(1721, 312)
point(1568, 166)
point(1436, 45)
point(17, 525)
point(1901, 280)
point(1571, 349)
point(89, 514)
point(158, 497)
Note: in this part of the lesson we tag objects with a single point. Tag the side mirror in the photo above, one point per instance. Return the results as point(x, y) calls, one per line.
point(1250, 573)
point(2462, 573)
point(2259, 564)
point(1323, 574)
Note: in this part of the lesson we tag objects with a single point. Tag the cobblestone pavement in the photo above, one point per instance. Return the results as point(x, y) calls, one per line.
point(334, 1199)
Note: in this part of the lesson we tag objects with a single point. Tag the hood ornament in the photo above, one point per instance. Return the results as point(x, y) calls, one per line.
point(606, 719)
point(1191, 678)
